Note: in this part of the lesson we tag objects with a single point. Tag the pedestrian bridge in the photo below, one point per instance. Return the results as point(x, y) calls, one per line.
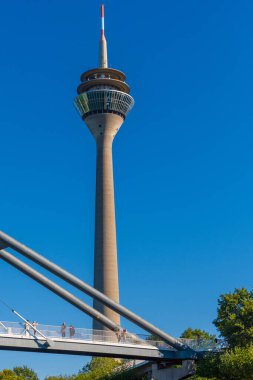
point(48, 339)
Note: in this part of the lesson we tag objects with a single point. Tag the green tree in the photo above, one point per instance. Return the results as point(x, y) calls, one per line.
point(196, 334)
point(234, 364)
point(26, 373)
point(107, 364)
point(98, 368)
point(235, 317)
point(208, 367)
point(106, 369)
point(8, 374)
point(127, 374)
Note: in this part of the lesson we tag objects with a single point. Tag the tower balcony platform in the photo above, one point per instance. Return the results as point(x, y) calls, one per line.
point(103, 101)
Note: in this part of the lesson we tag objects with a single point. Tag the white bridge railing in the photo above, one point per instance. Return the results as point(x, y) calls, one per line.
point(18, 329)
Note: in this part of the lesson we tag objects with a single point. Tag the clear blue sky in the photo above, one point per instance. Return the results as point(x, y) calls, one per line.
point(183, 158)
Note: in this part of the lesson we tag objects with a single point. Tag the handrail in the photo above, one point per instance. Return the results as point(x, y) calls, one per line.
point(52, 333)
point(73, 333)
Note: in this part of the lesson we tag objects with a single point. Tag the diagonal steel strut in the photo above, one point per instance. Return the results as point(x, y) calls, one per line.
point(94, 293)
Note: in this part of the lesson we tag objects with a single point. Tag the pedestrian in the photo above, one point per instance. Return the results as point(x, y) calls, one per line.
point(118, 334)
point(27, 327)
point(71, 331)
point(34, 325)
point(63, 330)
point(124, 335)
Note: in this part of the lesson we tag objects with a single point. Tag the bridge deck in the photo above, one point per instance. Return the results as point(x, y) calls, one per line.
point(89, 348)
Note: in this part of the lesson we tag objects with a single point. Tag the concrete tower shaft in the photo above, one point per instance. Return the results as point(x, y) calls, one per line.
point(105, 252)
point(103, 101)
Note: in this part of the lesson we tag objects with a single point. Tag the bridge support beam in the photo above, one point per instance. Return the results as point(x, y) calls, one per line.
point(95, 294)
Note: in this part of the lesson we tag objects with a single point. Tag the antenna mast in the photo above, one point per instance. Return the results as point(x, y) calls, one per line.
point(103, 46)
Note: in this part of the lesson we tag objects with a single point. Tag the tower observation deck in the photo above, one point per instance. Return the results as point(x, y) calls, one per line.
point(103, 102)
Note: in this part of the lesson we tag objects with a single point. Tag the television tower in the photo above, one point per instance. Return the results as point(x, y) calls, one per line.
point(103, 101)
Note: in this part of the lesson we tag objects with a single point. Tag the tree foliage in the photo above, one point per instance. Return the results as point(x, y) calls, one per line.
point(106, 369)
point(8, 374)
point(235, 317)
point(26, 373)
point(234, 364)
point(98, 368)
point(105, 364)
point(127, 374)
point(196, 334)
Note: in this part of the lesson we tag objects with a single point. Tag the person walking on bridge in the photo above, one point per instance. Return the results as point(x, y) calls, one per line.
point(71, 331)
point(27, 328)
point(118, 334)
point(123, 335)
point(34, 325)
point(63, 330)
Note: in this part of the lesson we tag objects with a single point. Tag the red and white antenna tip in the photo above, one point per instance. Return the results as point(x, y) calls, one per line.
point(103, 47)
point(102, 10)
point(102, 22)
